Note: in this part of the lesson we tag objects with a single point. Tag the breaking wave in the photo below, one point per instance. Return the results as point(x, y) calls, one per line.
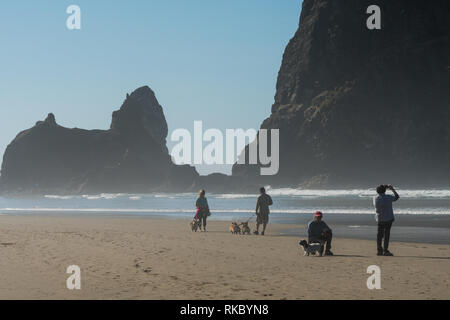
point(276, 192)
point(424, 211)
point(419, 194)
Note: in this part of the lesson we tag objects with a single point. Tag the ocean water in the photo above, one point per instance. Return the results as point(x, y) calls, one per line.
point(421, 215)
point(288, 204)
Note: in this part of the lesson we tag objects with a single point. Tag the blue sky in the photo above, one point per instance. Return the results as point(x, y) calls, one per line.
point(210, 60)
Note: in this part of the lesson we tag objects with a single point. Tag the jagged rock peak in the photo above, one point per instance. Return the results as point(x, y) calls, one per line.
point(141, 113)
point(144, 94)
point(50, 119)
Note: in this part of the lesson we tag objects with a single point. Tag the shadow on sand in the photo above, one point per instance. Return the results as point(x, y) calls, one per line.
point(415, 257)
point(424, 257)
point(349, 256)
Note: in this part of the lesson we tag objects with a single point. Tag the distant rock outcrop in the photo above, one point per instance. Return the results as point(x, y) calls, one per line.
point(129, 157)
point(359, 107)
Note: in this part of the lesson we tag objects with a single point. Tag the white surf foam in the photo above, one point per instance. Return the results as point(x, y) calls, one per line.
point(235, 196)
point(283, 192)
point(51, 196)
point(404, 193)
point(427, 211)
point(103, 196)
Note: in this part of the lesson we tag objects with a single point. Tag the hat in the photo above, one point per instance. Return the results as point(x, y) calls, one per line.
point(318, 214)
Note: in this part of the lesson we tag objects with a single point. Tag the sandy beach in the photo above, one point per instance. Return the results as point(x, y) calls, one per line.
point(150, 258)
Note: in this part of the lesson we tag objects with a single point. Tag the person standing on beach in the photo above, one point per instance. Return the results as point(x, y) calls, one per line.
point(318, 231)
point(385, 217)
point(202, 209)
point(262, 210)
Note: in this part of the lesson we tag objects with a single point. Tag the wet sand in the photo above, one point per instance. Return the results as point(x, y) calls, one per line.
point(433, 229)
point(150, 258)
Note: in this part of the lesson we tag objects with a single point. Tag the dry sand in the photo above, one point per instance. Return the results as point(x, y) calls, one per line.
point(148, 258)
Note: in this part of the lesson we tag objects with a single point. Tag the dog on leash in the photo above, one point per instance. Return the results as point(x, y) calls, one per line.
point(195, 225)
point(234, 228)
point(311, 248)
point(245, 228)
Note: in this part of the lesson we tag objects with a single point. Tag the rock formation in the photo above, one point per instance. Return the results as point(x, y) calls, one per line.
point(358, 107)
point(129, 157)
point(355, 107)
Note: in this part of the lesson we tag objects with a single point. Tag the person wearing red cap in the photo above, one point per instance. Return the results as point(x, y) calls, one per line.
point(318, 231)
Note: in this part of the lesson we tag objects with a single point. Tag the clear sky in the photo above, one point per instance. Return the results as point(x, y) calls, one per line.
point(210, 60)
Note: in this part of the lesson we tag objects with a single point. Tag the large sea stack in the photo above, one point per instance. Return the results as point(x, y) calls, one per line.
point(359, 107)
point(129, 157)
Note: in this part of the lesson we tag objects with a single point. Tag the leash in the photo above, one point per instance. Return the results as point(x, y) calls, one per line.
point(248, 220)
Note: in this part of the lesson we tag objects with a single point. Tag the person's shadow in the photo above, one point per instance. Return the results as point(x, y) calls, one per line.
point(424, 257)
point(349, 256)
point(415, 257)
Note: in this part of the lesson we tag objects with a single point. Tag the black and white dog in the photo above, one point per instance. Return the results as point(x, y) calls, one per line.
point(311, 248)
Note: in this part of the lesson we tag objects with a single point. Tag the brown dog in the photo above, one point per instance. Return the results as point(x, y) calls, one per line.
point(245, 228)
point(234, 228)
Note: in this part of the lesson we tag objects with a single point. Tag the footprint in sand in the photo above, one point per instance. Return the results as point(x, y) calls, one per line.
point(6, 244)
point(148, 270)
point(137, 263)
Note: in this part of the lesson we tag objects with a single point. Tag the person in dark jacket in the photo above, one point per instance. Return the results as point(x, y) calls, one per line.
point(385, 217)
point(262, 210)
point(318, 231)
point(202, 209)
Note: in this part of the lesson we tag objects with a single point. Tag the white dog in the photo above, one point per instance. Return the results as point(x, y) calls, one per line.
point(311, 248)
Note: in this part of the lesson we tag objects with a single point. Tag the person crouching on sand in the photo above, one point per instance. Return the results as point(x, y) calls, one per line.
point(262, 210)
point(318, 231)
point(202, 209)
point(384, 217)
